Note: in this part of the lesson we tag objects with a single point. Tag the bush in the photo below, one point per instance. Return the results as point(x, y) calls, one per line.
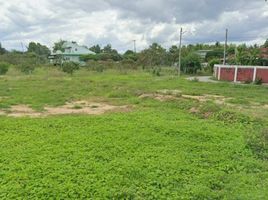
point(4, 68)
point(216, 54)
point(129, 64)
point(213, 62)
point(99, 67)
point(70, 67)
point(157, 71)
point(191, 64)
point(26, 68)
point(258, 81)
point(248, 81)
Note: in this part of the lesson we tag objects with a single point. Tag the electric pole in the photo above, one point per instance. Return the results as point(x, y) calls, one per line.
point(134, 43)
point(225, 47)
point(22, 47)
point(179, 68)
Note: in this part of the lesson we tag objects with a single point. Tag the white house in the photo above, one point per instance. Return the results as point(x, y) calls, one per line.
point(72, 52)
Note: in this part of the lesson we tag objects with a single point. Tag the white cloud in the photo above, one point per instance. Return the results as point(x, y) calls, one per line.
point(119, 22)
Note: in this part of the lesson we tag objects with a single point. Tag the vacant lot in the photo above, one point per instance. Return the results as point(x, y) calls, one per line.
point(131, 135)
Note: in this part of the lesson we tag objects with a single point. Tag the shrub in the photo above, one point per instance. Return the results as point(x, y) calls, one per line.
point(129, 64)
point(248, 81)
point(4, 68)
point(191, 64)
point(157, 71)
point(26, 68)
point(99, 67)
point(258, 81)
point(213, 62)
point(70, 67)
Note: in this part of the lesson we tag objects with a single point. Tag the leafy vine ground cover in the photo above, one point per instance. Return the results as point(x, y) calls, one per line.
point(157, 151)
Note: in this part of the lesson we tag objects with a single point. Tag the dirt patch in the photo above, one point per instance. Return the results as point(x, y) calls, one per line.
point(84, 107)
point(194, 110)
point(207, 97)
point(159, 97)
point(176, 93)
point(165, 95)
point(22, 111)
point(78, 107)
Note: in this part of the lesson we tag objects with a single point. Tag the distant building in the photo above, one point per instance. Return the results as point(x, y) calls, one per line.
point(202, 53)
point(72, 53)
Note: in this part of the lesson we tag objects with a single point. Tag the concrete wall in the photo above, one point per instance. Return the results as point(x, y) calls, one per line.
point(237, 73)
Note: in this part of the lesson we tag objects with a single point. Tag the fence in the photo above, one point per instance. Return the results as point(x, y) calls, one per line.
point(239, 73)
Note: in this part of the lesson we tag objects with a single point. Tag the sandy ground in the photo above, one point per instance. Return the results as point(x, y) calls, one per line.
point(78, 107)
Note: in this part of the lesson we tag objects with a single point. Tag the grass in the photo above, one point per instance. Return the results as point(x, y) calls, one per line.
point(157, 151)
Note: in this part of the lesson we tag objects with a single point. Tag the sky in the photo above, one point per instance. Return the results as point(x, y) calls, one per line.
point(119, 22)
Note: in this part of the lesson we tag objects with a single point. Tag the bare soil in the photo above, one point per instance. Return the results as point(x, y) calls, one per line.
point(78, 107)
point(165, 95)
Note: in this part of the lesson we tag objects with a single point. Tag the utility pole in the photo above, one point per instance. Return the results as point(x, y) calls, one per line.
point(225, 47)
point(22, 47)
point(134, 43)
point(179, 68)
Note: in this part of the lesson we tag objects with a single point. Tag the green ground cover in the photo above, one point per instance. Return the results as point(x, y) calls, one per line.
point(159, 150)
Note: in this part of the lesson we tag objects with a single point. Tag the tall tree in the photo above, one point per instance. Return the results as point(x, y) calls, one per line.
point(153, 56)
point(96, 49)
point(107, 49)
point(2, 50)
point(38, 49)
point(58, 46)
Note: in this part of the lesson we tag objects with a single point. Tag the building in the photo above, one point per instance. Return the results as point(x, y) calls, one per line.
point(239, 73)
point(72, 53)
point(203, 53)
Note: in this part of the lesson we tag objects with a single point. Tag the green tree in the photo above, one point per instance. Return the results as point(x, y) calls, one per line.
point(2, 50)
point(214, 54)
point(130, 55)
point(155, 55)
point(58, 46)
point(242, 55)
point(107, 49)
point(96, 49)
point(70, 67)
point(38, 49)
point(191, 64)
point(173, 54)
point(4, 68)
point(213, 62)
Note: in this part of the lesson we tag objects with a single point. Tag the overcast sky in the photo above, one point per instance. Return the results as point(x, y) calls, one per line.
point(118, 22)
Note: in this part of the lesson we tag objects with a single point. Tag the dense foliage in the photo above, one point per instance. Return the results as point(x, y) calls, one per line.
point(38, 49)
point(4, 68)
point(70, 67)
point(151, 58)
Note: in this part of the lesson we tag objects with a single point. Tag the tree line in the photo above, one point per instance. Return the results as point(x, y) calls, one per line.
point(153, 56)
